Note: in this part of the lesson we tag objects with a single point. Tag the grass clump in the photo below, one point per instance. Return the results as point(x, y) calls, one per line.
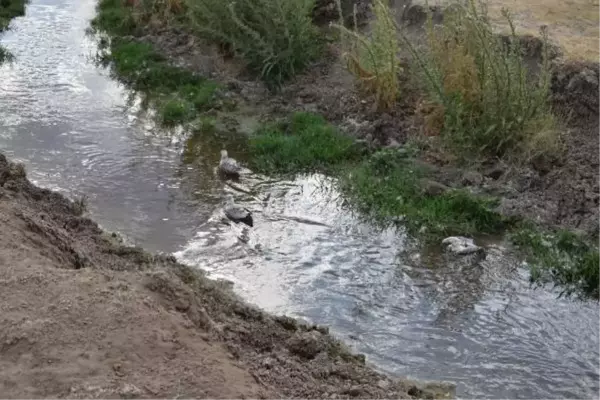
point(388, 187)
point(307, 143)
point(480, 87)
point(373, 60)
point(5, 55)
point(562, 258)
point(114, 18)
point(9, 9)
point(140, 67)
point(174, 111)
point(178, 94)
point(276, 38)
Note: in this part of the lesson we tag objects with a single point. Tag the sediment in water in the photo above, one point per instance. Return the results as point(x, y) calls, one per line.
point(84, 316)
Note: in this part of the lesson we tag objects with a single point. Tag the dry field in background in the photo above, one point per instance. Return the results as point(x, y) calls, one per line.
point(573, 24)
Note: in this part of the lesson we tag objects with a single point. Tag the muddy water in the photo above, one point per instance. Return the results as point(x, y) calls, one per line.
point(428, 317)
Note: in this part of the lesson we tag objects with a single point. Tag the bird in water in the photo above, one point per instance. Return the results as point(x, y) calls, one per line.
point(236, 213)
point(461, 245)
point(229, 166)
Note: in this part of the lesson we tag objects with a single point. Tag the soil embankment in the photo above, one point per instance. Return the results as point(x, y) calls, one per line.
point(84, 316)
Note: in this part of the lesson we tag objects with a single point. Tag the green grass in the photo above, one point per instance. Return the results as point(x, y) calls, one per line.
point(382, 186)
point(174, 111)
point(5, 55)
point(178, 95)
point(306, 143)
point(562, 258)
point(115, 19)
point(387, 187)
point(275, 38)
point(9, 9)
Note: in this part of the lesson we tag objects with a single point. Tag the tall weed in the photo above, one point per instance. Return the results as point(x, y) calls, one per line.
point(276, 38)
point(373, 59)
point(490, 103)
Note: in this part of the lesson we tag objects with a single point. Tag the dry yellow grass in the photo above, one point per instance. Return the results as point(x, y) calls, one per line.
point(572, 24)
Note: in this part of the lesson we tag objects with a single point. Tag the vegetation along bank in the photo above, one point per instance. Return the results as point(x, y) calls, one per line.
point(85, 316)
point(429, 118)
point(422, 168)
point(9, 9)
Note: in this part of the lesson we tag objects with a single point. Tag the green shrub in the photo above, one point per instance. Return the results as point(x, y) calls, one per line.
point(276, 38)
point(480, 84)
point(178, 94)
point(5, 55)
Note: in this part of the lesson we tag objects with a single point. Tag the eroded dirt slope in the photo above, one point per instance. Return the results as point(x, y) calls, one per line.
point(83, 316)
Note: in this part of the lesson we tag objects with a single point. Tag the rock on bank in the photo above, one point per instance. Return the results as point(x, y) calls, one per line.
point(83, 316)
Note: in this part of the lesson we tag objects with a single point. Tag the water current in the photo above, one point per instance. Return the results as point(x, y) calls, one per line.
point(428, 317)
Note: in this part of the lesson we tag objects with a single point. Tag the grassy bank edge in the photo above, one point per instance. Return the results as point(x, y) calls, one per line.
point(178, 95)
point(389, 187)
point(384, 186)
point(8, 10)
point(11, 9)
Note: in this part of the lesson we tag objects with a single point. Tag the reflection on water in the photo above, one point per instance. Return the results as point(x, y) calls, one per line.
point(436, 317)
point(428, 317)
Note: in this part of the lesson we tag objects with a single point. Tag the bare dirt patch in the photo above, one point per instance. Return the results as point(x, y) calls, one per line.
point(83, 316)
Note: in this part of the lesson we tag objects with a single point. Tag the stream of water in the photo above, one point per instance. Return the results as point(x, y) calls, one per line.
point(428, 317)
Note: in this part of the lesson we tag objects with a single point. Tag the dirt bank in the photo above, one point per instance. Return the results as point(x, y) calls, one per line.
point(84, 316)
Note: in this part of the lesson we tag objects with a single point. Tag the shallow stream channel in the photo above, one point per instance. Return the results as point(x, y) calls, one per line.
point(428, 316)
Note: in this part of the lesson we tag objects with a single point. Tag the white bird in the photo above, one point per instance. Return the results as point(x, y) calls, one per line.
point(237, 213)
point(228, 165)
point(461, 245)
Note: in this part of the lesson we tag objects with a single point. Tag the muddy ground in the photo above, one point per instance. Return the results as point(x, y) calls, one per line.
point(559, 193)
point(83, 316)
